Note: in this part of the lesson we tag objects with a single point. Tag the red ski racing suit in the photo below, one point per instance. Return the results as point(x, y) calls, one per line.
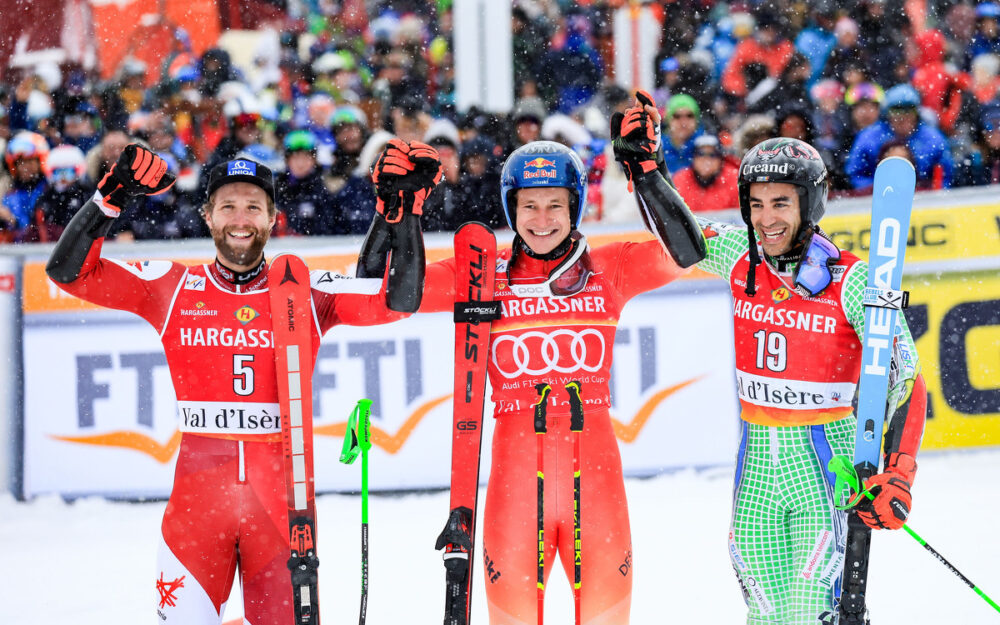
point(228, 505)
point(556, 340)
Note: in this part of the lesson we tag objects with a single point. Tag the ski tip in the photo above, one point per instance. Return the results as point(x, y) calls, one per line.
point(894, 174)
point(472, 226)
point(287, 258)
point(895, 161)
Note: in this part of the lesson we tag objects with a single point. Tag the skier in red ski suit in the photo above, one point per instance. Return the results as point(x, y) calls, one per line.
point(560, 305)
point(228, 507)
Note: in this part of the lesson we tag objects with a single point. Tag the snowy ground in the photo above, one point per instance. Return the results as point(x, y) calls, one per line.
point(91, 562)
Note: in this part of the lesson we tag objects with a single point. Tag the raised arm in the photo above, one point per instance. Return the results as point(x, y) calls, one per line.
point(404, 175)
point(636, 141)
point(76, 264)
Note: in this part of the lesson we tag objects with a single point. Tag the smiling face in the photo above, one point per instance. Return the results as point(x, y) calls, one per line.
point(774, 215)
point(240, 220)
point(543, 217)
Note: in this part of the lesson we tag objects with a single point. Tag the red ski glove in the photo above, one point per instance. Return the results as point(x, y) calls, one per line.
point(891, 506)
point(404, 175)
point(137, 172)
point(635, 137)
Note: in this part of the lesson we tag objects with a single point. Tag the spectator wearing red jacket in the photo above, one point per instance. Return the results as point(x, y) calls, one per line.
point(768, 46)
point(710, 182)
point(940, 88)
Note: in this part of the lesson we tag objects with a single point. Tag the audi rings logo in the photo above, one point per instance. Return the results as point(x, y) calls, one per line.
point(538, 353)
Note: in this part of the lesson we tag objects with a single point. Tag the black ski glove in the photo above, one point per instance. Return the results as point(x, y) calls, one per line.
point(635, 137)
point(137, 172)
point(404, 175)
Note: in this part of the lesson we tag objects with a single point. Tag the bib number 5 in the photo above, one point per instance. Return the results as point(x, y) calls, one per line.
point(242, 374)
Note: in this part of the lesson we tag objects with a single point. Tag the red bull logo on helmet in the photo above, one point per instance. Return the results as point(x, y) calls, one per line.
point(540, 162)
point(539, 168)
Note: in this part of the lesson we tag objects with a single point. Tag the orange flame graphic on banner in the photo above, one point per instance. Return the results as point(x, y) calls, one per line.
point(131, 440)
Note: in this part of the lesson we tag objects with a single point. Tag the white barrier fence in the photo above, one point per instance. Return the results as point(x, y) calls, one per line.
point(98, 414)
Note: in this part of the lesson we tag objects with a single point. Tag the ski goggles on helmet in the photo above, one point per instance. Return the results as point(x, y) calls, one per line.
point(300, 141)
point(568, 278)
point(813, 273)
point(64, 176)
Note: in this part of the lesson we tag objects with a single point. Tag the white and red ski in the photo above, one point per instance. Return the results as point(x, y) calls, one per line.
point(475, 269)
point(291, 322)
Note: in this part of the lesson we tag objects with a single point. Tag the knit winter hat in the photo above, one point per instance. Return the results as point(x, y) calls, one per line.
point(683, 101)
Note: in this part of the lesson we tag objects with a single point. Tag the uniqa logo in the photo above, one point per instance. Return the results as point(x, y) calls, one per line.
point(242, 168)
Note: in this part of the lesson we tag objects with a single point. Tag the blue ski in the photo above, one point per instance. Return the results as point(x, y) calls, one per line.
point(891, 203)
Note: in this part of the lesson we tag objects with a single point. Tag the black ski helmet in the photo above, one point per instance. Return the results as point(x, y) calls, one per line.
point(786, 160)
point(783, 160)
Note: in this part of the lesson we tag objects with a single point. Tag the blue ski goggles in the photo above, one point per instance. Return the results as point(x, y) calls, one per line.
point(813, 273)
point(64, 176)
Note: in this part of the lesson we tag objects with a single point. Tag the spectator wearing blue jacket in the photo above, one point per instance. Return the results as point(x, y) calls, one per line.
point(901, 121)
point(986, 39)
point(817, 41)
point(683, 127)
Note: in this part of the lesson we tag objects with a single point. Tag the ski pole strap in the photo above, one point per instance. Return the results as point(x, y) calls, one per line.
point(540, 407)
point(847, 475)
point(357, 436)
point(575, 406)
point(476, 311)
point(885, 298)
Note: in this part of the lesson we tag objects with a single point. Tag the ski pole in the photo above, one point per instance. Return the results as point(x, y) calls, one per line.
point(841, 467)
point(540, 407)
point(576, 427)
point(358, 438)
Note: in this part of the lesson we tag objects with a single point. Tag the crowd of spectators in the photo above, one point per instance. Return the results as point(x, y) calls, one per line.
point(858, 79)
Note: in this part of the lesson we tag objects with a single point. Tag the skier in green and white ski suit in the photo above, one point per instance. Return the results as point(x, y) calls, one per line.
point(798, 360)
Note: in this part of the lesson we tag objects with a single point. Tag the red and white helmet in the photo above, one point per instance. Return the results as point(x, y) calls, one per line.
point(66, 157)
point(26, 144)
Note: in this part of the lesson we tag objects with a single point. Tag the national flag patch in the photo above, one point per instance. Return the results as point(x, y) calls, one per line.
point(145, 269)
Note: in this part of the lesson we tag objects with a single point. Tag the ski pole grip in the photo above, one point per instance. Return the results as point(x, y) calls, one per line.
point(543, 396)
point(575, 406)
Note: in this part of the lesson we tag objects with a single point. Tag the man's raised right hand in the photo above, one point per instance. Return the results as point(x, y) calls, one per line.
point(138, 172)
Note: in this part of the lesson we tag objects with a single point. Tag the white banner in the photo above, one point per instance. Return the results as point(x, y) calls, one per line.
point(484, 66)
point(101, 415)
point(637, 40)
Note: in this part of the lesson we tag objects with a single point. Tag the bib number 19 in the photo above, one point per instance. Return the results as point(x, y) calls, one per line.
point(771, 350)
